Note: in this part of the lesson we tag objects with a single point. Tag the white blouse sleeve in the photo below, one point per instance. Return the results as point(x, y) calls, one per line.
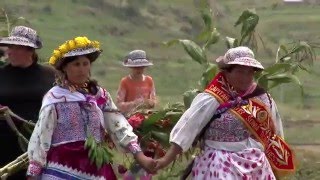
point(40, 140)
point(118, 128)
point(277, 119)
point(193, 120)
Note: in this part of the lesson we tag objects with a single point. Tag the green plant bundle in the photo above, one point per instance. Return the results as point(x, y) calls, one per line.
point(98, 152)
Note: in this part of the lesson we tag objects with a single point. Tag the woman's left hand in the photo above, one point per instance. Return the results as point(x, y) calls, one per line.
point(147, 163)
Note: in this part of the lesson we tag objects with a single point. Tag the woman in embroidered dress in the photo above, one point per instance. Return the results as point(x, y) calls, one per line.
point(73, 110)
point(136, 89)
point(230, 149)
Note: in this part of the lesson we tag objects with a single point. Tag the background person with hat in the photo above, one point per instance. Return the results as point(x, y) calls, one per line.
point(232, 148)
point(136, 89)
point(23, 84)
point(75, 115)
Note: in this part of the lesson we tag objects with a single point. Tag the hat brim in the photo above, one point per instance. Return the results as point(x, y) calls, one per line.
point(246, 61)
point(81, 51)
point(92, 54)
point(20, 41)
point(136, 63)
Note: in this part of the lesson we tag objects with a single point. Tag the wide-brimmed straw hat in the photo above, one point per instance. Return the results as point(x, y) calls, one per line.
point(75, 47)
point(239, 56)
point(22, 36)
point(137, 58)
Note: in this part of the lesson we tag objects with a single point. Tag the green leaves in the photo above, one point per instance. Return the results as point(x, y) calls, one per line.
point(173, 116)
point(231, 42)
point(249, 20)
point(278, 79)
point(208, 36)
point(188, 97)
point(290, 58)
point(213, 38)
point(207, 76)
point(206, 13)
point(98, 153)
point(147, 124)
point(298, 54)
point(193, 50)
point(6, 22)
point(248, 37)
point(161, 137)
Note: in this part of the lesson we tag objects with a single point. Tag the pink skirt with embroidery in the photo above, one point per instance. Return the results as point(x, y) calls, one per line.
point(249, 164)
point(70, 161)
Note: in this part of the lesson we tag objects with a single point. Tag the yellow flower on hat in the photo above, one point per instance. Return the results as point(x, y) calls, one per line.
point(78, 39)
point(63, 48)
point(56, 53)
point(96, 44)
point(52, 60)
point(81, 42)
point(86, 40)
point(70, 45)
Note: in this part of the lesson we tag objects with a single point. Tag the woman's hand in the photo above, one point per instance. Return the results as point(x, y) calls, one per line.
point(161, 163)
point(147, 163)
point(170, 156)
point(149, 103)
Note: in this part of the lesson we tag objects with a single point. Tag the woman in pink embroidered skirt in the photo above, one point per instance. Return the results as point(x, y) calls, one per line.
point(73, 110)
point(230, 150)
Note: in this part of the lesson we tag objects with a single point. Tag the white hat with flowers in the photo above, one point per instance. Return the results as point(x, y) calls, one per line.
point(239, 56)
point(75, 47)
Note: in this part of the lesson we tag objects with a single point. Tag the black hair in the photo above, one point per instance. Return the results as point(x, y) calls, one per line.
point(35, 57)
point(231, 67)
point(61, 63)
point(67, 60)
point(2, 53)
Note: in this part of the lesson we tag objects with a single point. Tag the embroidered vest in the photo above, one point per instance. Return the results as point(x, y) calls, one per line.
point(74, 120)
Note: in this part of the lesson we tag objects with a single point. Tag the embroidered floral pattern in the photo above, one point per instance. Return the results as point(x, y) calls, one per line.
point(34, 168)
point(73, 117)
point(228, 128)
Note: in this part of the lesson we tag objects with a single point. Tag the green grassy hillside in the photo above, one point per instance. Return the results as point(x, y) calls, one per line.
point(140, 24)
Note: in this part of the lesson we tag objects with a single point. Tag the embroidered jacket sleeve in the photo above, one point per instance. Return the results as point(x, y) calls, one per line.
point(40, 140)
point(119, 129)
point(277, 119)
point(193, 120)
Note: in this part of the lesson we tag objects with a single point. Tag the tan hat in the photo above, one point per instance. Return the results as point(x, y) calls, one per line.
point(239, 56)
point(22, 36)
point(137, 58)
